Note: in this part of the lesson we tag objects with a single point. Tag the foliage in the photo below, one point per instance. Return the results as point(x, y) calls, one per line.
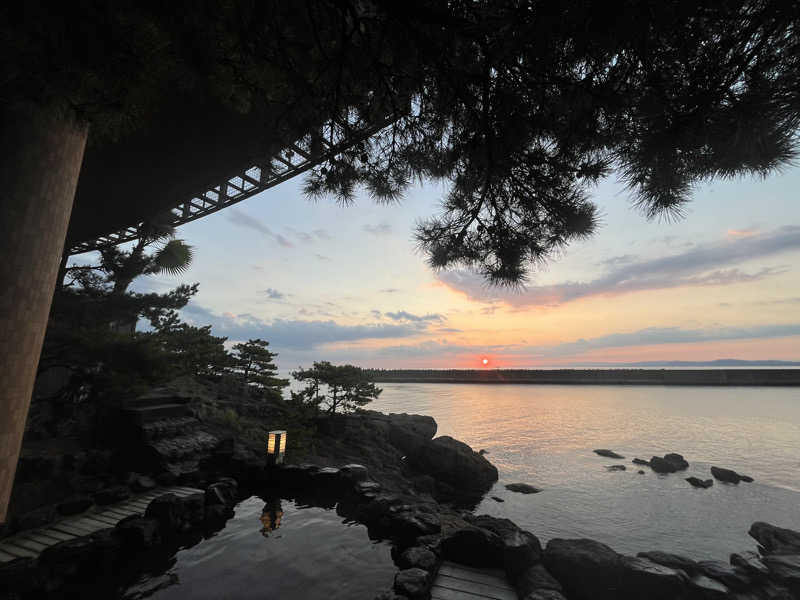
point(253, 362)
point(346, 387)
point(521, 105)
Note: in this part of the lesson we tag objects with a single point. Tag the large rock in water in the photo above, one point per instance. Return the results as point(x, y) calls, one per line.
point(775, 540)
point(521, 548)
point(729, 475)
point(643, 578)
point(607, 453)
point(473, 546)
point(455, 463)
point(588, 570)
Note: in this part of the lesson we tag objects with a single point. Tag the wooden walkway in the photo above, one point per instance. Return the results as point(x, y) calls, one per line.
point(456, 581)
point(32, 542)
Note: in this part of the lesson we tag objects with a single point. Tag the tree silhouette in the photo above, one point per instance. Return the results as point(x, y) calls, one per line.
point(346, 387)
point(255, 364)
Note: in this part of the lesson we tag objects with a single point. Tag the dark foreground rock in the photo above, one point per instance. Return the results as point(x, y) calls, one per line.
point(412, 583)
point(522, 488)
point(587, 569)
point(455, 463)
point(729, 475)
point(643, 578)
point(775, 540)
point(520, 548)
point(700, 483)
point(608, 453)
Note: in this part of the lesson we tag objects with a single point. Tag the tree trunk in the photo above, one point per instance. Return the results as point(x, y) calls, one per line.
point(40, 158)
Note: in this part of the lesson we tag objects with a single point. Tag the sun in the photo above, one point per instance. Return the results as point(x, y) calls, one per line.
point(485, 361)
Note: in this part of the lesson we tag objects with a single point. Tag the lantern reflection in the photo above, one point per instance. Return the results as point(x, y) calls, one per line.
point(271, 517)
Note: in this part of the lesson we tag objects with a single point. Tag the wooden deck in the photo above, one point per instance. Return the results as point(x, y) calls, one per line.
point(456, 581)
point(32, 542)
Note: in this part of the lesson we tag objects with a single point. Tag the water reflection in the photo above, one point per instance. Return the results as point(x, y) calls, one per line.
point(271, 516)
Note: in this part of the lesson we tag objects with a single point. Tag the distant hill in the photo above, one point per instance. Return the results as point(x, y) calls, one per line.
point(720, 362)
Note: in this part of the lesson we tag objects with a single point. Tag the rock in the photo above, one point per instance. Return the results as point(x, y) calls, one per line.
point(68, 557)
point(193, 509)
point(412, 583)
point(660, 465)
point(732, 577)
point(705, 588)
point(587, 569)
point(608, 453)
point(775, 540)
point(745, 478)
point(408, 433)
point(673, 561)
point(496, 499)
point(37, 517)
point(454, 463)
point(474, 547)
point(520, 548)
point(419, 557)
point(483, 451)
point(616, 468)
point(643, 578)
point(138, 533)
point(771, 591)
point(74, 505)
point(409, 522)
point(326, 478)
point(640, 472)
point(147, 588)
point(640, 461)
point(677, 461)
point(544, 595)
point(354, 473)
point(535, 578)
point(166, 478)
point(142, 483)
point(700, 483)
point(726, 475)
point(110, 495)
point(785, 568)
point(749, 562)
point(522, 488)
point(432, 542)
point(222, 492)
point(168, 511)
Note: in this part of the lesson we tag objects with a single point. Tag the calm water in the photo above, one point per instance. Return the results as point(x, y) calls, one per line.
point(313, 553)
point(544, 435)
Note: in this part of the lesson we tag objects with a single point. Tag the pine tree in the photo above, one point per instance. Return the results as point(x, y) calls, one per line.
point(254, 364)
point(346, 387)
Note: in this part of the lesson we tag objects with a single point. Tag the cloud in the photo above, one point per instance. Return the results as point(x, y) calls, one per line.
point(750, 231)
point(241, 219)
point(292, 334)
point(389, 291)
point(321, 257)
point(379, 229)
point(402, 315)
point(322, 234)
point(702, 265)
point(616, 261)
point(273, 294)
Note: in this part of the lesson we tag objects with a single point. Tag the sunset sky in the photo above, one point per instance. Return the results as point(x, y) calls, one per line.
point(346, 284)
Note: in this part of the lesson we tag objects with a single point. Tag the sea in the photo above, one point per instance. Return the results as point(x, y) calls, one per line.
point(545, 435)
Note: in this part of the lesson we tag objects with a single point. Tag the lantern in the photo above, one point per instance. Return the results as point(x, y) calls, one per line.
point(276, 447)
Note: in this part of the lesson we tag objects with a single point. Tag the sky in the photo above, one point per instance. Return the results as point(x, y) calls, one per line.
point(321, 281)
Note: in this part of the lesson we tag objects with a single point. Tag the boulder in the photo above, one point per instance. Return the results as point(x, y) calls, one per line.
point(138, 533)
point(110, 495)
point(785, 568)
point(677, 461)
point(454, 463)
point(616, 468)
point(673, 561)
point(497, 499)
point(74, 505)
point(520, 548)
point(353, 473)
point(750, 563)
point(660, 465)
point(413, 583)
point(522, 488)
point(775, 540)
point(168, 511)
point(640, 461)
point(643, 578)
point(419, 557)
point(474, 547)
point(746, 478)
point(587, 569)
point(640, 472)
point(733, 577)
point(705, 588)
point(700, 483)
point(409, 522)
point(728, 475)
point(408, 433)
point(535, 578)
point(608, 453)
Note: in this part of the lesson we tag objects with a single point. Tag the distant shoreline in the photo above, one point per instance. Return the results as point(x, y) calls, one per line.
point(710, 377)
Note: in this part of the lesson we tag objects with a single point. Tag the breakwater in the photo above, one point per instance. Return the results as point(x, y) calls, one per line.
point(713, 377)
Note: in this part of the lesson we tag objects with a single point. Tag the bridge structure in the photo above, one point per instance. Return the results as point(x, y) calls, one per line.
point(250, 179)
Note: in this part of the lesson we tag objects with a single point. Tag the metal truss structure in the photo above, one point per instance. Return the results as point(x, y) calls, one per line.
point(290, 161)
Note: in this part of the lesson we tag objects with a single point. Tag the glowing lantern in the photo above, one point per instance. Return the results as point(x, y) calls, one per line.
point(276, 447)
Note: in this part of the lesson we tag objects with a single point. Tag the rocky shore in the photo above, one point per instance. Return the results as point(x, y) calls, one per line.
point(392, 474)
